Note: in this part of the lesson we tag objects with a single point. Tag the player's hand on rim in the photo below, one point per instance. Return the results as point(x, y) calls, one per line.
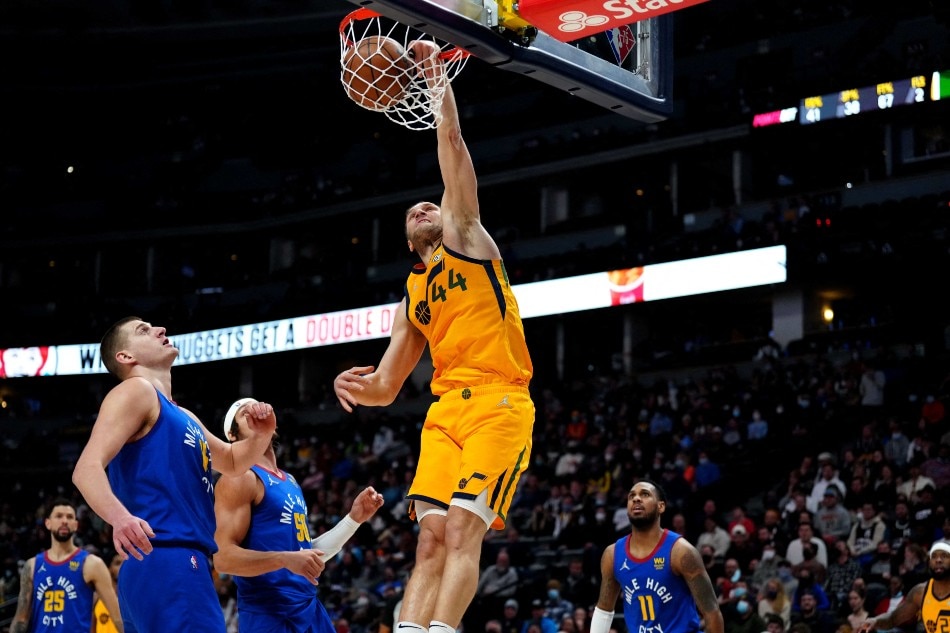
point(425, 59)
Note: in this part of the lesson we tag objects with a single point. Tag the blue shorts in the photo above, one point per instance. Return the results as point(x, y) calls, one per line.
point(310, 617)
point(171, 589)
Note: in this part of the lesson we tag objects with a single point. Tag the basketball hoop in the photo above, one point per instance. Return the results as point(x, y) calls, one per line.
point(419, 106)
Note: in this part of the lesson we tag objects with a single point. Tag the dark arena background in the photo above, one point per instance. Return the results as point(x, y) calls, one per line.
point(199, 165)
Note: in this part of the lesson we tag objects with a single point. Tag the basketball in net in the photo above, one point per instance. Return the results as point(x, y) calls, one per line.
point(375, 72)
point(380, 72)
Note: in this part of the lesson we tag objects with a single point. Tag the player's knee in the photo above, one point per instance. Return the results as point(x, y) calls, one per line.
point(464, 530)
point(431, 544)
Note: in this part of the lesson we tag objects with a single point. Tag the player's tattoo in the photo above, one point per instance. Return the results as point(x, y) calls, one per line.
point(24, 602)
point(694, 572)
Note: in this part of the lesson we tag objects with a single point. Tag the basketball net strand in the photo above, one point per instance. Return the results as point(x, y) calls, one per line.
point(419, 107)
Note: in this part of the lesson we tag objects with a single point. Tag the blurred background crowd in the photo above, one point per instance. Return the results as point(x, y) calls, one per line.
point(192, 182)
point(825, 474)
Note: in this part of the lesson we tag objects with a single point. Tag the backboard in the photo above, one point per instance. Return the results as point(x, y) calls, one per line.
point(637, 86)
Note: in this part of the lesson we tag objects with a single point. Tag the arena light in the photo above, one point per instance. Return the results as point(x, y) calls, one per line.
point(716, 273)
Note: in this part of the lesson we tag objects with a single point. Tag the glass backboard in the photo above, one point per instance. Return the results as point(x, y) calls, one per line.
point(636, 85)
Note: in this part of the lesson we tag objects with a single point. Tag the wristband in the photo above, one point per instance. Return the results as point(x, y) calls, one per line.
point(601, 621)
point(330, 543)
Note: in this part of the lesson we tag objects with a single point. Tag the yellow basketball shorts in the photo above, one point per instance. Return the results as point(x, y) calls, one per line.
point(475, 439)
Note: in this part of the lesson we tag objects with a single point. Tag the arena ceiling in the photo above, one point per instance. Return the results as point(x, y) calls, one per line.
point(141, 102)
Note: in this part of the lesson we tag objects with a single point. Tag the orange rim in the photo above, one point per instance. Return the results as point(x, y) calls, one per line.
point(367, 14)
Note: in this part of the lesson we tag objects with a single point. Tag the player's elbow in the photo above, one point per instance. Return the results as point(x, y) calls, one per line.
point(223, 561)
point(80, 474)
point(389, 397)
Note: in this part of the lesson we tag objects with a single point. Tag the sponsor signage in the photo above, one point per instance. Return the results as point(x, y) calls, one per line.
point(655, 282)
point(569, 21)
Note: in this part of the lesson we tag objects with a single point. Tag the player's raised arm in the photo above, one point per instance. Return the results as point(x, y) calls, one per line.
point(234, 458)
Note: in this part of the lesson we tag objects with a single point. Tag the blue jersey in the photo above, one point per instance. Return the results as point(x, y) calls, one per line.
point(62, 601)
point(278, 524)
point(655, 600)
point(165, 478)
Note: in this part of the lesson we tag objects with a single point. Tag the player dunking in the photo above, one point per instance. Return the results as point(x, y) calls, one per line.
point(476, 440)
point(661, 577)
point(158, 492)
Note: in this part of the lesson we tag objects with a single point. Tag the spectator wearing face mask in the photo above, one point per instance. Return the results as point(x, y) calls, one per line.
point(842, 572)
point(806, 534)
point(787, 578)
point(808, 584)
point(708, 473)
point(729, 580)
point(599, 527)
point(767, 567)
point(744, 618)
point(729, 599)
point(811, 564)
point(555, 606)
point(742, 547)
point(774, 601)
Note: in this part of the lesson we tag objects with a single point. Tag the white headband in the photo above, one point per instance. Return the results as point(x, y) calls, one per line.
point(232, 411)
point(940, 546)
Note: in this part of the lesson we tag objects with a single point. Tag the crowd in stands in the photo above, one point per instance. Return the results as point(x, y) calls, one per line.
point(812, 486)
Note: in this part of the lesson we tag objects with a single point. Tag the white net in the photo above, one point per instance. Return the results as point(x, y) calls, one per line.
point(379, 73)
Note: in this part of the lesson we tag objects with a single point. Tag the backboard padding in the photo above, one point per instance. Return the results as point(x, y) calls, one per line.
point(643, 96)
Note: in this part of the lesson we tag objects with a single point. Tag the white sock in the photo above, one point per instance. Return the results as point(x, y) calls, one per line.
point(409, 627)
point(440, 627)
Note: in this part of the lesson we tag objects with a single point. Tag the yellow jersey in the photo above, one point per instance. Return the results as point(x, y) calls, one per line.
point(468, 313)
point(103, 620)
point(934, 611)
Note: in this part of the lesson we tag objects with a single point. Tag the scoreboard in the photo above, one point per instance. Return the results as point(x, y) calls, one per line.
point(853, 101)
